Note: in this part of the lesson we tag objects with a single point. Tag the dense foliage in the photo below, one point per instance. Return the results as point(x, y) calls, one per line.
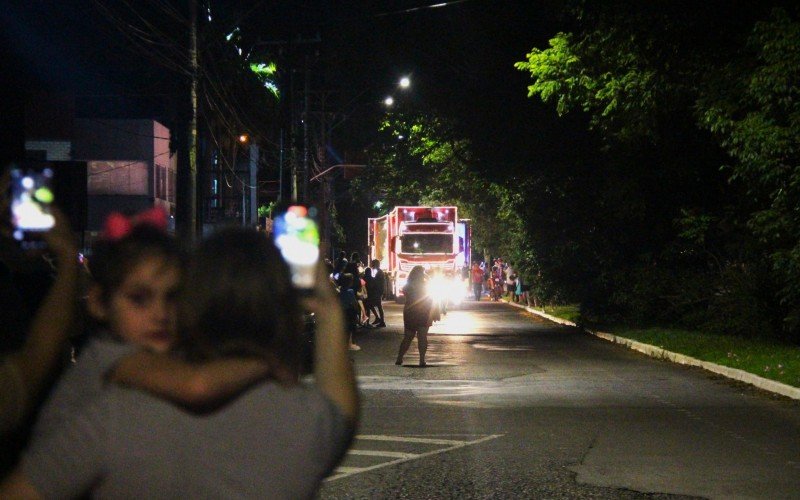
point(698, 113)
point(423, 161)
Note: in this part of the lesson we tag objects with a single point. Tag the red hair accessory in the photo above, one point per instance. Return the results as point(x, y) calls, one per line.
point(118, 226)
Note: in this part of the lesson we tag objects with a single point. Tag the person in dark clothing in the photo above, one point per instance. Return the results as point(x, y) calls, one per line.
point(352, 268)
point(350, 307)
point(340, 264)
point(355, 267)
point(417, 315)
point(375, 284)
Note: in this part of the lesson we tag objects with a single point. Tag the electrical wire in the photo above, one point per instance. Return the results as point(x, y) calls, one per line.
point(422, 7)
point(127, 164)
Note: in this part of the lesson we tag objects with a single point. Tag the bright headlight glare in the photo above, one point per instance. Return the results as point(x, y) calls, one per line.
point(450, 289)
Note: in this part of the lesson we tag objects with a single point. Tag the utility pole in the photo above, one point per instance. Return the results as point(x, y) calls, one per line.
point(186, 202)
point(306, 89)
point(293, 146)
point(253, 165)
point(280, 170)
point(289, 154)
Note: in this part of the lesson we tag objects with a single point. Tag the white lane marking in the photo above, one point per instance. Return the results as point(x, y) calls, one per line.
point(377, 453)
point(373, 437)
point(349, 469)
point(342, 472)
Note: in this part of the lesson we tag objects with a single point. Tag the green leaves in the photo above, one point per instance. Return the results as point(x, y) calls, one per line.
point(602, 74)
point(758, 123)
point(673, 89)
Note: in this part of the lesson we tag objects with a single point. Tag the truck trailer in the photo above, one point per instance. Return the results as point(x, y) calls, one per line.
point(432, 237)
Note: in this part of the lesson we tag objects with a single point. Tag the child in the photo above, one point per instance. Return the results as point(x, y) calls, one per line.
point(135, 278)
point(238, 304)
point(136, 271)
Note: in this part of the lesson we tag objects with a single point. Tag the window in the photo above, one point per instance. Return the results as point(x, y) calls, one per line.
point(171, 185)
point(161, 182)
point(426, 243)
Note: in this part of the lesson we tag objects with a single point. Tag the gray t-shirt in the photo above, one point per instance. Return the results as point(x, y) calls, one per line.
point(271, 442)
point(81, 383)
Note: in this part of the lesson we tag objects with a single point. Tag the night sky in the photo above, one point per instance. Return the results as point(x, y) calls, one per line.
point(460, 57)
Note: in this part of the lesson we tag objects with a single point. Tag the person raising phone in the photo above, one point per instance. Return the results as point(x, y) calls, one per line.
point(25, 372)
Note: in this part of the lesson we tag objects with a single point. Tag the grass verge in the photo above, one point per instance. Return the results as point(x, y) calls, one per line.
point(568, 312)
point(763, 357)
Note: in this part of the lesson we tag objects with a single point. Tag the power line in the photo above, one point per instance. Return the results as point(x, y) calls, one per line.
point(126, 164)
point(422, 7)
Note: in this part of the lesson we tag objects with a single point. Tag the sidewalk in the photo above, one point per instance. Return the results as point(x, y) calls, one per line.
point(658, 352)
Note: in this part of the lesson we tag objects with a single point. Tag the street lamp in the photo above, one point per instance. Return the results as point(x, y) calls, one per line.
point(243, 141)
point(404, 83)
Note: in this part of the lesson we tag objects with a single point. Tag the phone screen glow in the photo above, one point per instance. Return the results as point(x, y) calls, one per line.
point(297, 236)
point(31, 196)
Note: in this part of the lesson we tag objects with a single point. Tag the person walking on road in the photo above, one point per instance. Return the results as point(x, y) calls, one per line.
point(375, 284)
point(417, 315)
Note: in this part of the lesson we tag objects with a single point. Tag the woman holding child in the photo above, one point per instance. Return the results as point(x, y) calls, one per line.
point(273, 437)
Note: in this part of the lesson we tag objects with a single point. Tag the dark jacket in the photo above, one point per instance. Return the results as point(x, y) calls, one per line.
point(375, 283)
point(418, 308)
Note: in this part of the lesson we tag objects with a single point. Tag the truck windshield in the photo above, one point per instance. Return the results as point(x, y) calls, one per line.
point(426, 243)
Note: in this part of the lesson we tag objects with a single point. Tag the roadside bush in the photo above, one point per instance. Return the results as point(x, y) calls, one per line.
point(743, 303)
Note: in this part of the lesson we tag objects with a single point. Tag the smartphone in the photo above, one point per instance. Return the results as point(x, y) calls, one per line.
point(31, 199)
point(296, 234)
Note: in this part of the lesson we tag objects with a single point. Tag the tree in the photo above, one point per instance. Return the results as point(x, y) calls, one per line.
point(754, 110)
point(674, 94)
point(422, 160)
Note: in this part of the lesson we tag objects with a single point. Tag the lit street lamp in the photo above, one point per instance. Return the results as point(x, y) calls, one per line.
point(404, 83)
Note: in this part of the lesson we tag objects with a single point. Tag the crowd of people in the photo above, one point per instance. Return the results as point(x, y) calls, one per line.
point(498, 281)
point(192, 357)
point(361, 291)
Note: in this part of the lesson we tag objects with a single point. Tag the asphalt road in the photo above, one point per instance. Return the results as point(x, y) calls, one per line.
point(512, 406)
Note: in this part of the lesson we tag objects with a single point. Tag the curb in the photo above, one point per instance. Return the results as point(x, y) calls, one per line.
point(658, 352)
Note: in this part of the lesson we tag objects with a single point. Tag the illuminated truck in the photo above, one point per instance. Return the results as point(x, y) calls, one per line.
point(432, 237)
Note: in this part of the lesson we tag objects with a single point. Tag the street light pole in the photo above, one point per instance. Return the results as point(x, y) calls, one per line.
point(323, 176)
point(327, 202)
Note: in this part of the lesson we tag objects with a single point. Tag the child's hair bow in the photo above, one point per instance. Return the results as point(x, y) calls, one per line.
point(118, 226)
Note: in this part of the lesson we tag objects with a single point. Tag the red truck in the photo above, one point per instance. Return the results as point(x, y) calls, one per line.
point(432, 237)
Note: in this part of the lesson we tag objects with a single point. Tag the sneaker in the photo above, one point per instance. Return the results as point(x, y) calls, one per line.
point(354, 347)
point(379, 325)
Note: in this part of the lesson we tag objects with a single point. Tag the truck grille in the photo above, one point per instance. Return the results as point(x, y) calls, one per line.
point(408, 266)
